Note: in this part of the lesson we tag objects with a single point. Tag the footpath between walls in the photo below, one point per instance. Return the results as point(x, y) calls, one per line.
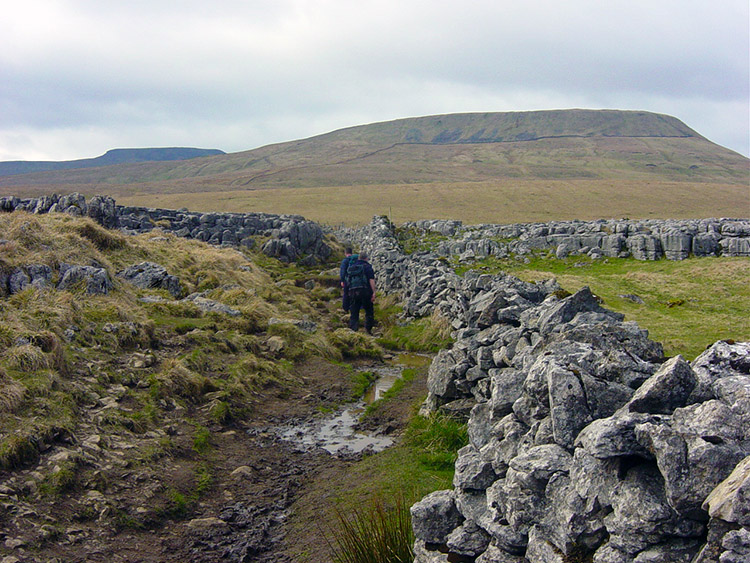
point(586, 443)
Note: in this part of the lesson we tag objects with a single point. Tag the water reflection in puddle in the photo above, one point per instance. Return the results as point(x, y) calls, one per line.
point(336, 434)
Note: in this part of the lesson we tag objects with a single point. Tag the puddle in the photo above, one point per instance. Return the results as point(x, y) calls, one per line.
point(336, 433)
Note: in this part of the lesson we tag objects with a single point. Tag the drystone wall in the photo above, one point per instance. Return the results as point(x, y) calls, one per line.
point(585, 442)
point(644, 240)
point(286, 237)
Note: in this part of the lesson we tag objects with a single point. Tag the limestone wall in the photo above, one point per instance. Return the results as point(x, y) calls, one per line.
point(644, 240)
point(585, 442)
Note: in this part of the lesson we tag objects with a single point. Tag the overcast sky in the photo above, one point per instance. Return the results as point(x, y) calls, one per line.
point(80, 77)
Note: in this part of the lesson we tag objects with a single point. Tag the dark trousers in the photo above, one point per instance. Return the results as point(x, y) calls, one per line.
point(345, 298)
point(361, 299)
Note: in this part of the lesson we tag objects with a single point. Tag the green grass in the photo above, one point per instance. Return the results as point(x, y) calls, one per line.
point(361, 382)
point(202, 439)
point(429, 334)
point(688, 304)
point(407, 376)
point(436, 440)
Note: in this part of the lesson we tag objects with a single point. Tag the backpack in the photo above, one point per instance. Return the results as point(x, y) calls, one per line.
point(356, 277)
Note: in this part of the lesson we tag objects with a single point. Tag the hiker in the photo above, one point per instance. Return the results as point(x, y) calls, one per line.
point(348, 258)
point(360, 281)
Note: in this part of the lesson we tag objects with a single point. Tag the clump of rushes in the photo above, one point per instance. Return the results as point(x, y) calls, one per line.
point(11, 394)
point(374, 533)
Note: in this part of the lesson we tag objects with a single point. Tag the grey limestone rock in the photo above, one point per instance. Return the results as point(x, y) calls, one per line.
point(645, 247)
point(676, 244)
point(641, 517)
point(581, 436)
point(435, 517)
point(148, 275)
point(674, 551)
point(614, 436)
point(212, 306)
point(722, 359)
point(494, 554)
point(17, 281)
point(540, 550)
point(472, 471)
point(690, 466)
point(568, 405)
point(737, 545)
point(730, 500)
point(668, 389)
point(96, 280)
point(468, 539)
point(506, 388)
point(428, 553)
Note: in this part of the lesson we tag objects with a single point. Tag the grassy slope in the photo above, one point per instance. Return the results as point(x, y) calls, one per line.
point(457, 147)
point(582, 165)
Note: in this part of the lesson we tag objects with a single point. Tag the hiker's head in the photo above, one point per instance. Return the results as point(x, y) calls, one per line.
point(363, 255)
point(348, 250)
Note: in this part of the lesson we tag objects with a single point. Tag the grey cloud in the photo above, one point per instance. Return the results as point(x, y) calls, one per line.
point(240, 74)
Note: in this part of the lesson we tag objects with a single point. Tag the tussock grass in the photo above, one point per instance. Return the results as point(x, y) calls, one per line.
point(436, 440)
point(27, 358)
point(11, 393)
point(355, 344)
point(175, 378)
point(103, 239)
point(59, 350)
point(250, 374)
point(17, 450)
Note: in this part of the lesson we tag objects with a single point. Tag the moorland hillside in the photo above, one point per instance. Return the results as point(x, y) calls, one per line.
point(531, 165)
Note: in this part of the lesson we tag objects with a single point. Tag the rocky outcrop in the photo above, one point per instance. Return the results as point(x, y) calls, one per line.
point(584, 441)
point(93, 278)
point(286, 237)
point(148, 275)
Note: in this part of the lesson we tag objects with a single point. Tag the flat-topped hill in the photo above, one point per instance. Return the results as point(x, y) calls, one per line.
point(110, 158)
point(562, 153)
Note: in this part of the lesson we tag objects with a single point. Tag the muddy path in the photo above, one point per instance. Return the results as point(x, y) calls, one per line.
point(266, 474)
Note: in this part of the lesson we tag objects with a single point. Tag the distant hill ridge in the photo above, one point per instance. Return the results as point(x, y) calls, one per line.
point(501, 148)
point(111, 157)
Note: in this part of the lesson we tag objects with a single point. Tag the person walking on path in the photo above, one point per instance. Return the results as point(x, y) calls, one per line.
point(348, 259)
point(360, 279)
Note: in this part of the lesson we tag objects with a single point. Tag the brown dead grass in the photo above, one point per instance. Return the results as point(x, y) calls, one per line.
point(502, 201)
